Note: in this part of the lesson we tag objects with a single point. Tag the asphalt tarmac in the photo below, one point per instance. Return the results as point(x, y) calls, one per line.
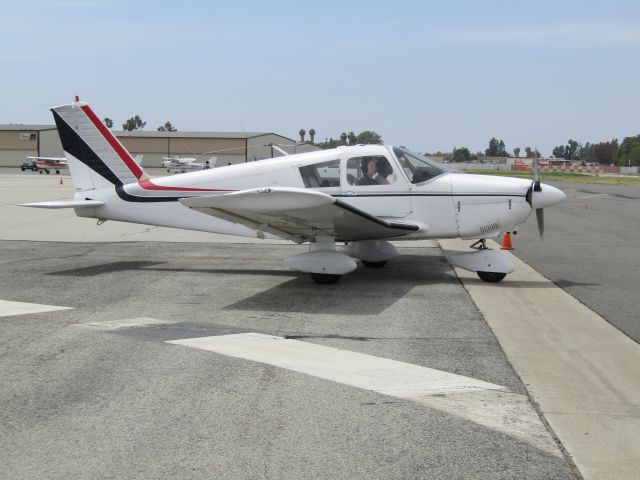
point(96, 391)
point(88, 401)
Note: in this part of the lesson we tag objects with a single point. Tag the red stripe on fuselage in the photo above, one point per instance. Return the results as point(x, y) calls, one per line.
point(113, 141)
point(149, 185)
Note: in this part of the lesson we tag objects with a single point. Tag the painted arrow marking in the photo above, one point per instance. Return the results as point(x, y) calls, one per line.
point(382, 375)
point(8, 308)
point(484, 403)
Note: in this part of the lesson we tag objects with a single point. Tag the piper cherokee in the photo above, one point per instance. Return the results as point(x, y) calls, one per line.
point(347, 203)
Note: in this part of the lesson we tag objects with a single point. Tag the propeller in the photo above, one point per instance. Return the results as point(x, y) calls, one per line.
point(539, 198)
point(536, 177)
point(540, 219)
point(537, 187)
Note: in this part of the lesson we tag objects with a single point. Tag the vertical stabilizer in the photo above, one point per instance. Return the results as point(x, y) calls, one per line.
point(96, 157)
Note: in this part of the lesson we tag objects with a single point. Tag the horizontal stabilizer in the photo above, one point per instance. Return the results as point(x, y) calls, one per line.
point(64, 204)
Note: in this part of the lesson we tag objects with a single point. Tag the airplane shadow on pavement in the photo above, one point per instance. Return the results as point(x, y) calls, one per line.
point(365, 291)
point(114, 267)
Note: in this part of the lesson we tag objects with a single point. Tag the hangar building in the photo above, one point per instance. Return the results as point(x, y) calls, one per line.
point(18, 141)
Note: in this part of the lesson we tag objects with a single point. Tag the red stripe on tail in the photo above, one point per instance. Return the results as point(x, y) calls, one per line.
point(113, 141)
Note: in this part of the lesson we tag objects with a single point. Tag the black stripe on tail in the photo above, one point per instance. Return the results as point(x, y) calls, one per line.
point(73, 144)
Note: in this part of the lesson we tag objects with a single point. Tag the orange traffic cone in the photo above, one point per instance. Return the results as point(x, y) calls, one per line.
point(61, 182)
point(506, 241)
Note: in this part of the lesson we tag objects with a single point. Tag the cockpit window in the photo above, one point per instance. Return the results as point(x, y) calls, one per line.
point(417, 167)
point(321, 175)
point(370, 170)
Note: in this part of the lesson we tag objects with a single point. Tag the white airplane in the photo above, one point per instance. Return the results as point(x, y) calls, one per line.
point(182, 164)
point(45, 164)
point(347, 203)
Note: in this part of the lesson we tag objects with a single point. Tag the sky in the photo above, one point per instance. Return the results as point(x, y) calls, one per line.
point(429, 75)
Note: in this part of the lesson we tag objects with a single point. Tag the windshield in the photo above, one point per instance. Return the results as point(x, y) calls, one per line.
point(417, 167)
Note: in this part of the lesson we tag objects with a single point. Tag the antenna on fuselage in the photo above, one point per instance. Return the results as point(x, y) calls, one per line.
point(281, 150)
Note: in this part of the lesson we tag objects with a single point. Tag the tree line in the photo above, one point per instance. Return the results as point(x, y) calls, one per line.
point(606, 153)
point(368, 137)
point(610, 152)
point(136, 123)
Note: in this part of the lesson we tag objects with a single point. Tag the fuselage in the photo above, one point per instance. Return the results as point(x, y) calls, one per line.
point(446, 205)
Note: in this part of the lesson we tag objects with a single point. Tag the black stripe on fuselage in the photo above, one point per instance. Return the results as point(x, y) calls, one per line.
point(414, 194)
point(127, 197)
point(379, 221)
point(122, 193)
point(73, 144)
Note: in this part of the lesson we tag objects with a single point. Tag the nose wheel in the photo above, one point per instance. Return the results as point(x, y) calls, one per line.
point(491, 277)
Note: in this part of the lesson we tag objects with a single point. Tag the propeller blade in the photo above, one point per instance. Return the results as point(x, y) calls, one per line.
point(540, 219)
point(536, 176)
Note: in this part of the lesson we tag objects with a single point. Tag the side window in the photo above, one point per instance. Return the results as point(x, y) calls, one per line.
point(370, 170)
point(321, 175)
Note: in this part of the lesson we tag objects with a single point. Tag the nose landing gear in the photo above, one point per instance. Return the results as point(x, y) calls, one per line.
point(490, 265)
point(490, 277)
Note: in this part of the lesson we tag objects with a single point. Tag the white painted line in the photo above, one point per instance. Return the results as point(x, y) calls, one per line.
point(481, 402)
point(382, 375)
point(124, 323)
point(8, 308)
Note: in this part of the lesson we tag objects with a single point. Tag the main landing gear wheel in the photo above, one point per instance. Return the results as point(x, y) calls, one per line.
point(491, 277)
point(325, 278)
point(374, 264)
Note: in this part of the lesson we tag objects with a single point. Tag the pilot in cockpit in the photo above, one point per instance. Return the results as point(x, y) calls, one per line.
point(369, 168)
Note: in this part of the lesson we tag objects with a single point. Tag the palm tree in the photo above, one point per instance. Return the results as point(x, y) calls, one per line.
point(312, 134)
point(302, 133)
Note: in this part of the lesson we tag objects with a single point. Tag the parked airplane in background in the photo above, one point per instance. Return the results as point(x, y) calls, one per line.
point(347, 203)
point(181, 165)
point(45, 164)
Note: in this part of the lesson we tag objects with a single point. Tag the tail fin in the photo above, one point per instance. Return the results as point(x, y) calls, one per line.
point(96, 157)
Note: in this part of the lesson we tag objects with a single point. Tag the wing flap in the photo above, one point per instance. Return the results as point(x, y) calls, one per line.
point(298, 214)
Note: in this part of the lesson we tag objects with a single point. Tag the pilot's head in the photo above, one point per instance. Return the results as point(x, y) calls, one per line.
point(368, 166)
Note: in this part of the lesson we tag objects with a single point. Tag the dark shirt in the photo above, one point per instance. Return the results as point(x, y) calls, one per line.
point(367, 180)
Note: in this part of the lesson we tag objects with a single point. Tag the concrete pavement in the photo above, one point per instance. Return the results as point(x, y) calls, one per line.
point(579, 370)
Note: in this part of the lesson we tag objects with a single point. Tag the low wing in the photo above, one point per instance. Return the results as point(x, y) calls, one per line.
point(298, 214)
